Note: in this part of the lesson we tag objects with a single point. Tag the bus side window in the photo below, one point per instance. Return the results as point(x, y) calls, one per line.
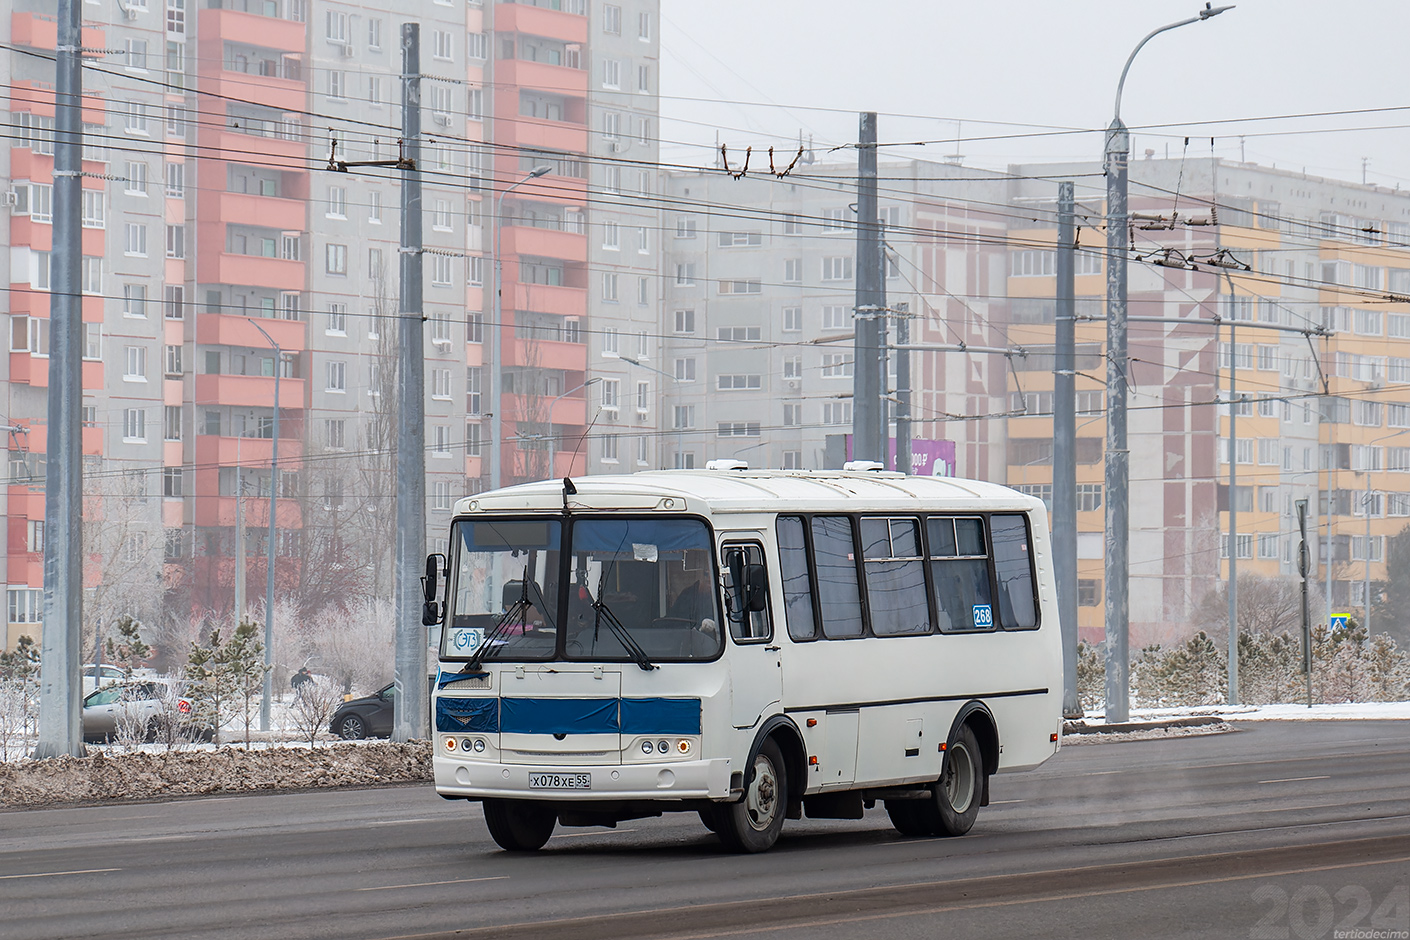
point(746, 580)
point(835, 554)
point(1013, 564)
point(797, 581)
point(959, 570)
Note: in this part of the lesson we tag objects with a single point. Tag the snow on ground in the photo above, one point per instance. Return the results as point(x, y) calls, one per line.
point(1286, 711)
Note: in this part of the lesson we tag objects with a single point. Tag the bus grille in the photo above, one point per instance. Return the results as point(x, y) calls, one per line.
point(474, 682)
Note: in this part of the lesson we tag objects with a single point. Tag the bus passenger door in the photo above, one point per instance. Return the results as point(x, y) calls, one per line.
point(756, 683)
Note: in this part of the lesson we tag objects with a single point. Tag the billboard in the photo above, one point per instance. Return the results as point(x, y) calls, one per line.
point(928, 458)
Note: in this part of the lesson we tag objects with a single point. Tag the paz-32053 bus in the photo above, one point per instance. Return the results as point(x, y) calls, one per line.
point(749, 645)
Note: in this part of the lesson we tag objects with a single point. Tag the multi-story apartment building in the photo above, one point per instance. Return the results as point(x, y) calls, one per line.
point(216, 231)
point(758, 317)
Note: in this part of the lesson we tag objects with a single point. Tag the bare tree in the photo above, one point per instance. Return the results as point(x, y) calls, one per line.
point(313, 706)
point(123, 545)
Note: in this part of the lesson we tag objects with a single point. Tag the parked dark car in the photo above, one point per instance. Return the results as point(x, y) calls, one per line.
point(366, 717)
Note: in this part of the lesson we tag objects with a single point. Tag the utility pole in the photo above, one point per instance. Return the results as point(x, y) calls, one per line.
point(883, 340)
point(1302, 569)
point(411, 703)
point(1064, 533)
point(239, 540)
point(903, 388)
point(867, 382)
point(1233, 666)
point(1118, 510)
point(60, 714)
point(271, 536)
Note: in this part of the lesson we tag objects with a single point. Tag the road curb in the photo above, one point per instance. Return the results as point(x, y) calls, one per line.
point(1126, 727)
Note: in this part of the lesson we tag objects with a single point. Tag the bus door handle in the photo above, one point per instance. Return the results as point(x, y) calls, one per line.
point(771, 649)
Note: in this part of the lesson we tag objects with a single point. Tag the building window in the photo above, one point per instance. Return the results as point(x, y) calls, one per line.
point(685, 321)
point(792, 415)
point(611, 342)
point(836, 365)
point(134, 426)
point(176, 241)
point(472, 439)
point(92, 275)
point(792, 270)
point(474, 328)
point(336, 259)
point(173, 361)
point(135, 240)
point(441, 270)
point(334, 433)
point(837, 269)
point(738, 429)
point(440, 384)
point(442, 46)
point(685, 227)
point(337, 320)
point(337, 84)
point(746, 286)
point(792, 319)
point(441, 500)
point(834, 317)
point(837, 412)
point(738, 382)
point(474, 376)
point(834, 220)
point(643, 397)
point(610, 443)
point(685, 370)
point(739, 239)
point(684, 417)
point(440, 440)
point(337, 376)
point(612, 19)
point(136, 364)
point(440, 218)
point(134, 300)
point(476, 46)
point(135, 118)
point(175, 180)
point(609, 287)
point(611, 73)
point(1089, 592)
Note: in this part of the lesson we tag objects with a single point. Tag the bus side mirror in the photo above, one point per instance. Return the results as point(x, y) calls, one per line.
point(431, 611)
point(756, 588)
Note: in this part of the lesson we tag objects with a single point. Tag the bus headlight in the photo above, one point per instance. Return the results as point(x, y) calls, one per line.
point(479, 745)
point(663, 746)
point(646, 747)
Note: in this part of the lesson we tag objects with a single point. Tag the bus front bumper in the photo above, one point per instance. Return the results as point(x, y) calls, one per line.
point(673, 780)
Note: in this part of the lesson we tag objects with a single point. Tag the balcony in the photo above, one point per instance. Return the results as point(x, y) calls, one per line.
point(537, 21)
point(539, 133)
point(28, 369)
point(254, 270)
point(41, 31)
point(225, 329)
point(220, 511)
point(213, 450)
point(544, 243)
point(520, 73)
point(251, 29)
point(253, 391)
point(39, 440)
point(229, 143)
point(247, 209)
point(569, 411)
point(286, 94)
point(25, 164)
point(40, 236)
point(543, 298)
point(547, 354)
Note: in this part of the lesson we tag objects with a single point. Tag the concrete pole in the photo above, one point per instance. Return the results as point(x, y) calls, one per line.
point(1366, 587)
point(1118, 519)
point(271, 534)
point(903, 389)
point(60, 689)
point(411, 706)
point(867, 383)
point(1064, 534)
point(239, 540)
point(1233, 664)
point(883, 352)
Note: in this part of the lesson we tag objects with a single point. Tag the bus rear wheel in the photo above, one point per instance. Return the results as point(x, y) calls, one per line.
point(754, 823)
point(954, 805)
point(519, 825)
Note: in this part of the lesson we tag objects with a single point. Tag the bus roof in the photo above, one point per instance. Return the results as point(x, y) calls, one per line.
point(741, 490)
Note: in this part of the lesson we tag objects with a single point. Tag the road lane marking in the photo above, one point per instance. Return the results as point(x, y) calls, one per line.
point(1002, 802)
point(1297, 779)
point(51, 874)
point(428, 884)
point(575, 835)
point(397, 822)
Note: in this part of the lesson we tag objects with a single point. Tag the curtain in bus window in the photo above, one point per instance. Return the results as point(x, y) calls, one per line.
point(797, 582)
point(1013, 564)
point(895, 577)
point(838, 594)
point(960, 572)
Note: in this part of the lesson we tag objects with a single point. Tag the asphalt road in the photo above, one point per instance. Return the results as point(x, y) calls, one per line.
point(1279, 830)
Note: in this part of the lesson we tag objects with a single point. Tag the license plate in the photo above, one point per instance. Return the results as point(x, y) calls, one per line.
point(560, 781)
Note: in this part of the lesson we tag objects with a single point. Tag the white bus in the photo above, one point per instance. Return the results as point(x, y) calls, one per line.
point(749, 645)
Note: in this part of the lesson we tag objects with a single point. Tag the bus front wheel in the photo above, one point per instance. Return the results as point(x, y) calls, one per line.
point(519, 825)
point(754, 823)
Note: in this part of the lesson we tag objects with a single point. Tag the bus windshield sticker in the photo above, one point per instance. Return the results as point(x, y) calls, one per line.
point(983, 616)
point(465, 640)
point(643, 552)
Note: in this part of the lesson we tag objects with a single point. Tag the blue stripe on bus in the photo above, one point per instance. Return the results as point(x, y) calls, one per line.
point(467, 714)
point(559, 716)
point(660, 716)
point(568, 715)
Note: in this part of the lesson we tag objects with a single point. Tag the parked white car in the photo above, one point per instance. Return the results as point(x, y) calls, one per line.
point(143, 704)
point(97, 676)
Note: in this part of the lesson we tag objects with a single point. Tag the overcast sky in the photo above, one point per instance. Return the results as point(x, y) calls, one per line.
point(1041, 65)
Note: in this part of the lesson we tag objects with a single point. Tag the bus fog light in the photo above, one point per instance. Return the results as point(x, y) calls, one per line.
point(683, 746)
point(646, 747)
point(479, 745)
point(663, 746)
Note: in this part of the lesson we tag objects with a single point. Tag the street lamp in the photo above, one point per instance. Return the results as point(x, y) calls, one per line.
point(1118, 526)
point(497, 328)
point(268, 693)
point(551, 438)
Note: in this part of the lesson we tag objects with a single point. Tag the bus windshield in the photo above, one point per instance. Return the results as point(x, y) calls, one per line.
point(637, 590)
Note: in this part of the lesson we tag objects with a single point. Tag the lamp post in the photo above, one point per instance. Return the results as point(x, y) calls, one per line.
point(551, 438)
point(1118, 525)
point(497, 329)
point(268, 693)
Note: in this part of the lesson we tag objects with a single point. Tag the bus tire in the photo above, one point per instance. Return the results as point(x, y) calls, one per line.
point(961, 786)
point(710, 818)
point(519, 825)
point(754, 823)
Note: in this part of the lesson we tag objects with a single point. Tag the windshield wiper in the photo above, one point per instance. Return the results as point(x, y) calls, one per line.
point(602, 612)
point(519, 609)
